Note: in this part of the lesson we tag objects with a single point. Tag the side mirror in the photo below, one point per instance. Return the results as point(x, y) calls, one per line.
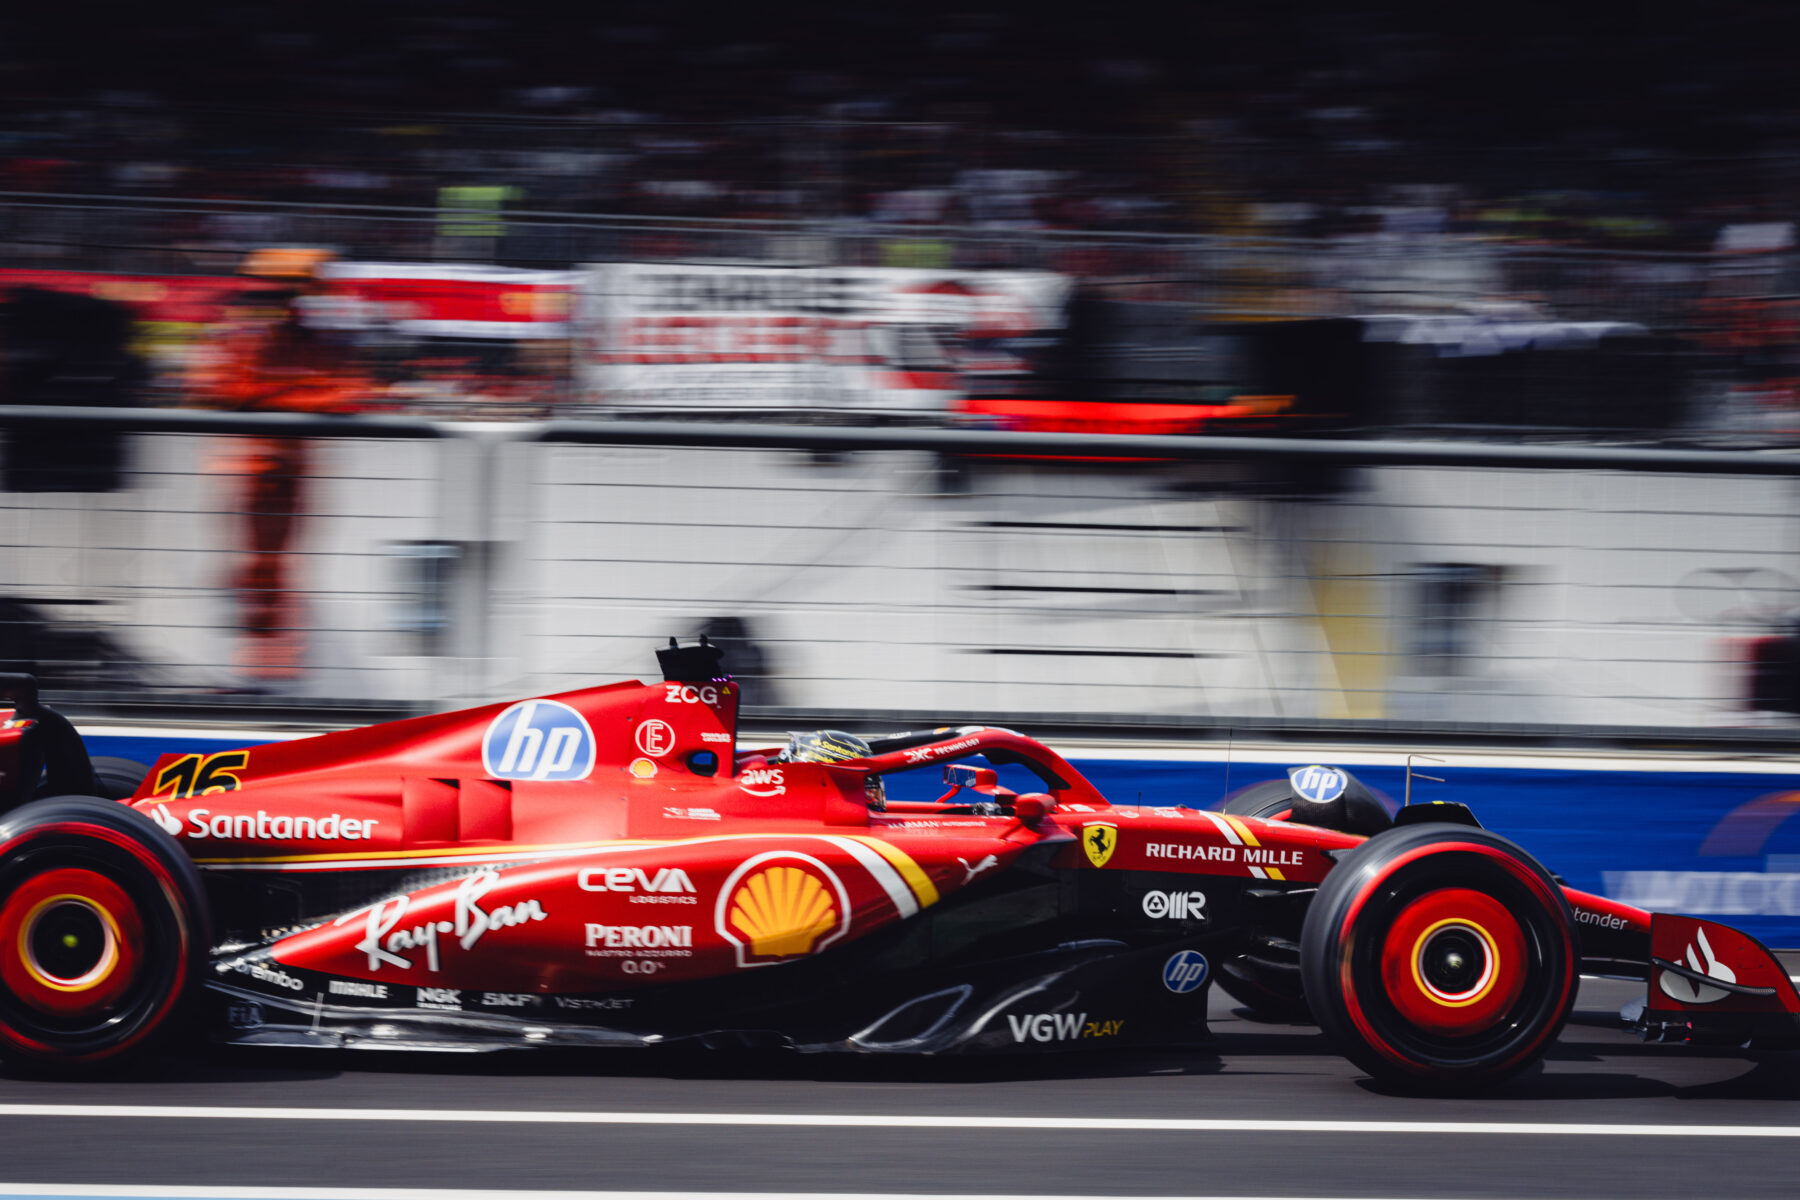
point(1032, 807)
point(958, 775)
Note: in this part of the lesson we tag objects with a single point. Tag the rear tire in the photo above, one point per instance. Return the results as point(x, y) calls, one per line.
point(1439, 957)
point(1272, 800)
point(118, 778)
point(103, 932)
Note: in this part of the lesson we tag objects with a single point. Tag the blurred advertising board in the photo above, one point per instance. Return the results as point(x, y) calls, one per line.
point(451, 300)
point(458, 300)
point(870, 339)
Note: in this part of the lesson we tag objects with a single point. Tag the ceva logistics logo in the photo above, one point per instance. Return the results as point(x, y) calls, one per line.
point(538, 739)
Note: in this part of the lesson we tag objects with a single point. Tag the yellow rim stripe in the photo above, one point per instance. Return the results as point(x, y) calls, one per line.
point(1493, 973)
point(915, 876)
point(98, 973)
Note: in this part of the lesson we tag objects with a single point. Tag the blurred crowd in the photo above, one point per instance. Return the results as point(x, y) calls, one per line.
point(1426, 161)
point(1555, 126)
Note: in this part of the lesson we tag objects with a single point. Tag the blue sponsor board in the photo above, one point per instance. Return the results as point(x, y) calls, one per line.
point(1717, 844)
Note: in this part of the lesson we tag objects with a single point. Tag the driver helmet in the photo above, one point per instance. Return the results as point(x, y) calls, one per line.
point(824, 746)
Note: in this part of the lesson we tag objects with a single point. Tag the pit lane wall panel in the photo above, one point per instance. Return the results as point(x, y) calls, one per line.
point(473, 569)
point(1705, 837)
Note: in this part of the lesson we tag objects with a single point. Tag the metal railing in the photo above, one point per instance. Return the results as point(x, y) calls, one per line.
point(884, 576)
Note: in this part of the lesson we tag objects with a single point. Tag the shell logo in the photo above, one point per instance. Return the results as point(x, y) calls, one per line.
point(780, 906)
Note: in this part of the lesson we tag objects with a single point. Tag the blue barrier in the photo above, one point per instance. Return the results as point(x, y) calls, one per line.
point(1713, 843)
point(1709, 843)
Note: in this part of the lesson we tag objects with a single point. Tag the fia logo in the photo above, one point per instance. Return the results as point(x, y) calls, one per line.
point(1185, 971)
point(538, 739)
point(1319, 785)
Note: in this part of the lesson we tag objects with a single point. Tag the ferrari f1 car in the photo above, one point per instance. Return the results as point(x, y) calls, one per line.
point(609, 867)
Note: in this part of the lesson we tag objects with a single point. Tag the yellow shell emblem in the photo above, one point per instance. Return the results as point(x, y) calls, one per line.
point(1099, 842)
point(782, 911)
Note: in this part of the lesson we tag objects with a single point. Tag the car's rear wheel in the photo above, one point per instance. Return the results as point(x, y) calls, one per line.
point(1272, 800)
point(103, 932)
point(1439, 957)
point(118, 778)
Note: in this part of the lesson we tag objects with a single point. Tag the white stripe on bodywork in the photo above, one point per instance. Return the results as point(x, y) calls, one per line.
point(1223, 827)
point(882, 871)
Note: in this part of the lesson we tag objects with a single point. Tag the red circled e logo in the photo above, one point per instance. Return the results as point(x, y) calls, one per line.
point(655, 738)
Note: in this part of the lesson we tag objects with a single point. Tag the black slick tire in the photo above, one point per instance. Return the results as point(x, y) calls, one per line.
point(1439, 958)
point(104, 933)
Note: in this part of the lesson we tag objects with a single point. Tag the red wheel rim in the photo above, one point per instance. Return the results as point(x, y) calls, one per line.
point(1454, 962)
point(69, 942)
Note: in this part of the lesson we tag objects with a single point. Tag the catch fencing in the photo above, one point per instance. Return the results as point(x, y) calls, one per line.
point(883, 577)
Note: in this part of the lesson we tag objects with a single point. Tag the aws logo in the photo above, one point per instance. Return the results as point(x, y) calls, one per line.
point(538, 739)
point(781, 906)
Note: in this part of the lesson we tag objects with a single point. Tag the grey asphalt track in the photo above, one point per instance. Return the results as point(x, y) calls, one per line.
point(1597, 1074)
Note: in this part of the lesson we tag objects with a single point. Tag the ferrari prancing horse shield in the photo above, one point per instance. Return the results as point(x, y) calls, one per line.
point(1099, 841)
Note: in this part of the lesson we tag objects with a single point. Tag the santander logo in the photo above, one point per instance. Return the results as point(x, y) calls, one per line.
point(1690, 991)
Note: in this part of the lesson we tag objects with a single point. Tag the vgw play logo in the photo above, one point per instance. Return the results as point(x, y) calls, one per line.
point(538, 739)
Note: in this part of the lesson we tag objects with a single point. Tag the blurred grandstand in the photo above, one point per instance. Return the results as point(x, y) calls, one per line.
point(1586, 223)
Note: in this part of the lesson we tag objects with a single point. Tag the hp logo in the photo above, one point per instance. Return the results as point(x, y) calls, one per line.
point(538, 739)
point(1184, 972)
point(1318, 784)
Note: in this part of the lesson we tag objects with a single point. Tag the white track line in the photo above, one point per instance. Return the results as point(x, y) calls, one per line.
point(891, 1121)
point(294, 1193)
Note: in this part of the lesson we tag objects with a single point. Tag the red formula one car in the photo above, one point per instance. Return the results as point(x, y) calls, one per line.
point(607, 867)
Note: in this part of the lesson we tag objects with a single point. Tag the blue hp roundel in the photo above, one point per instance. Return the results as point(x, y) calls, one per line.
point(1184, 972)
point(1318, 784)
point(538, 739)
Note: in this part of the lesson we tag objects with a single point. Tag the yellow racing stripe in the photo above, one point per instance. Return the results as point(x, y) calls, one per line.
point(915, 876)
point(1243, 831)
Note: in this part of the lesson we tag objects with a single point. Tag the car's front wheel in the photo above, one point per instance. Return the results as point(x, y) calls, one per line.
point(1439, 956)
point(103, 931)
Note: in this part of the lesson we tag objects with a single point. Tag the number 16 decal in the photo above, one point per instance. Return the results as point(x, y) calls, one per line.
point(201, 775)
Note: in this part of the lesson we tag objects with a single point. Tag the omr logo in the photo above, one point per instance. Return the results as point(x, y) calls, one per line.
point(538, 739)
